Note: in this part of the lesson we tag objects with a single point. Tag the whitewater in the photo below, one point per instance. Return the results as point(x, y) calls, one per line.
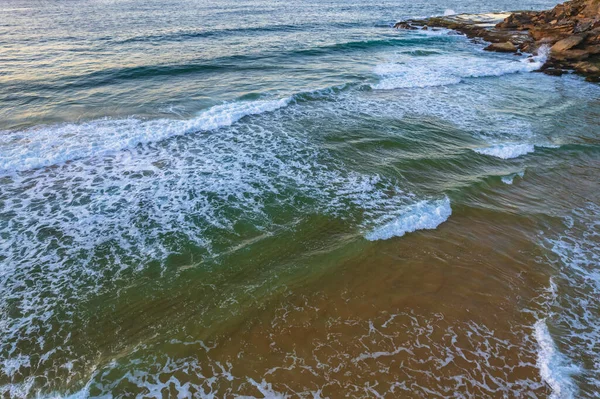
point(290, 200)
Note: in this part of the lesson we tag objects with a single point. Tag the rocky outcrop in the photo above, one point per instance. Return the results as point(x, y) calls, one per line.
point(571, 30)
point(506, 47)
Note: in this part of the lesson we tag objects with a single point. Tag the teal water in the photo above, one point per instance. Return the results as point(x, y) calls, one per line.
point(267, 199)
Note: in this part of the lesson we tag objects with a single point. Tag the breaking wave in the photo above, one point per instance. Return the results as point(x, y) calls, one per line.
point(506, 151)
point(552, 364)
point(50, 145)
point(511, 178)
point(424, 215)
point(575, 308)
point(446, 70)
point(108, 219)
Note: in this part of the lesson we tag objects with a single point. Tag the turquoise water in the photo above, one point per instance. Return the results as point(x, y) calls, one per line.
point(183, 185)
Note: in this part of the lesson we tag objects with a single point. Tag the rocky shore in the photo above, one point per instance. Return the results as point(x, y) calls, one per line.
point(570, 32)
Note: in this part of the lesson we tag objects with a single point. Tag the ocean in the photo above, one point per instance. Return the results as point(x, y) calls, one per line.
point(268, 199)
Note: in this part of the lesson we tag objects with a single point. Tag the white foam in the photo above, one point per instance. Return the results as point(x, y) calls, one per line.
point(576, 287)
point(510, 178)
point(379, 343)
point(552, 364)
point(50, 145)
point(448, 12)
point(266, 390)
point(105, 218)
point(443, 70)
point(424, 215)
point(506, 151)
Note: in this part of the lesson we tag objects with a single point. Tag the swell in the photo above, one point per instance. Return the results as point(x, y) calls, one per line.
point(262, 61)
point(232, 32)
point(405, 41)
point(181, 35)
point(178, 36)
point(229, 64)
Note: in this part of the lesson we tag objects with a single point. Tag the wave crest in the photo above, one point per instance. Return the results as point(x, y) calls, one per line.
point(50, 145)
point(424, 215)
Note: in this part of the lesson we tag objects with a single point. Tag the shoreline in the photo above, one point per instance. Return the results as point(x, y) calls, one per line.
point(569, 33)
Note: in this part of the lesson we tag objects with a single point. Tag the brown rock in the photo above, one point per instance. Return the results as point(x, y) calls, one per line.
point(567, 43)
point(587, 67)
point(592, 50)
point(555, 32)
point(506, 47)
point(583, 26)
point(593, 36)
point(570, 55)
point(571, 29)
point(404, 25)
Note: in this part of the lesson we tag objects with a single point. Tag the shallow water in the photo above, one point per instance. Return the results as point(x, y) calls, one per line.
point(262, 199)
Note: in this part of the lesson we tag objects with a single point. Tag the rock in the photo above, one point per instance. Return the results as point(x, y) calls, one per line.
point(572, 55)
point(588, 68)
point(554, 72)
point(567, 43)
point(506, 47)
point(404, 25)
point(584, 26)
point(592, 50)
point(571, 30)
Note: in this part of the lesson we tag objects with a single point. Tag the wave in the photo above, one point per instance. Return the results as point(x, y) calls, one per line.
point(109, 220)
point(43, 145)
point(192, 34)
point(370, 44)
point(50, 145)
point(575, 253)
point(444, 70)
point(512, 150)
point(280, 28)
point(233, 63)
point(424, 215)
point(511, 178)
point(552, 364)
point(259, 61)
point(506, 151)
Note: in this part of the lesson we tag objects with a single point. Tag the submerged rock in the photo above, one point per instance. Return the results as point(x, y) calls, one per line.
point(571, 30)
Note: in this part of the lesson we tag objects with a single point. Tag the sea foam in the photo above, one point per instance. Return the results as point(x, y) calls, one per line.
point(552, 364)
point(424, 215)
point(107, 219)
point(506, 151)
point(50, 145)
point(577, 323)
point(511, 178)
point(443, 70)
